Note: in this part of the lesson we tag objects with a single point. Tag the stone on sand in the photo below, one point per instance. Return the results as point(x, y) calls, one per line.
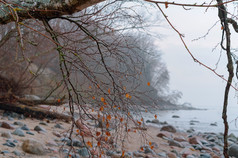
point(33, 146)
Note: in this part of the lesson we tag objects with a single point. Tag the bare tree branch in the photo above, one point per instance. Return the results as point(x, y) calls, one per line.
point(19, 10)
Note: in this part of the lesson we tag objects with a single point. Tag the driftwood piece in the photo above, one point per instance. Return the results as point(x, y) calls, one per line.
point(34, 111)
point(31, 102)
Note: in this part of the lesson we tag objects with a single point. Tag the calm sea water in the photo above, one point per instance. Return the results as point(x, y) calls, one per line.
point(202, 119)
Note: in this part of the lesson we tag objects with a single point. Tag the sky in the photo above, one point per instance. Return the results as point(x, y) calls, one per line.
point(199, 86)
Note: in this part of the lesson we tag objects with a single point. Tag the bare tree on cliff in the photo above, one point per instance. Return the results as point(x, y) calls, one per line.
point(101, 61)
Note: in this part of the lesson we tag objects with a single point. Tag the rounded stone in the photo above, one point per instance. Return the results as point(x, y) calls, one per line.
point(19, 132)
point(169, 128)
point(33, 146)
point(6, 135)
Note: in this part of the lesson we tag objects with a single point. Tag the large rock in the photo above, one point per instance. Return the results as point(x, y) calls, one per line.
point(233, 150)
point(168, 128)
point(33, 146)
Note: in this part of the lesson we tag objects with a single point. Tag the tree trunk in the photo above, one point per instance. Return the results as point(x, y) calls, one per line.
point(33, 112)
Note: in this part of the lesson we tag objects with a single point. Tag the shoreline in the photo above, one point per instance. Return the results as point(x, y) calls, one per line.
point(149, 141)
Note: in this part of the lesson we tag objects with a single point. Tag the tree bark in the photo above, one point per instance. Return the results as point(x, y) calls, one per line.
point(222, 13)
point(16, 10)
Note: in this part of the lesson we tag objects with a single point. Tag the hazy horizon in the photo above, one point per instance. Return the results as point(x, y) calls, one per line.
point(200, 86)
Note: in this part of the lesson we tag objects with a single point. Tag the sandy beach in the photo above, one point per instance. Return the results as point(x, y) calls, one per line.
point(149, 141)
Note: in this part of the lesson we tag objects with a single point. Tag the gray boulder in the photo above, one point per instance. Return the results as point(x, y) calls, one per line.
point(233, 150)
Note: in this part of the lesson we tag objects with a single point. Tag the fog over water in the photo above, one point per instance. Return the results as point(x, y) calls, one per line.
point(202, 119)
point(200, 87)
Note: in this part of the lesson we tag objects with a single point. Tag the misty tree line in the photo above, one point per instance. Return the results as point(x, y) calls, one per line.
point(108, 48)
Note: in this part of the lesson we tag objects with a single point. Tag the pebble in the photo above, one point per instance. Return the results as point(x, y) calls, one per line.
point(24, 127)
point(57, 134)
point(75, 143)
point(17, 153)
point(58, 126)
point(164, 134)
point(28, 132)
point(156, 121)
point(148, 121)
point(11, 114)
point(162, 154)
point(194, 140)
point(212, 139)
point(51, 143)
point(19, 132)
point(197, 147)
point(191, 130)
point(39, 129)
point(43, 123)
point(33, 146)
point(15, 141)
point(21, 117)
point(175, 143)
point(187, 151)
point(6, 134)
point(18, 123)
point(10, 118)
point(148, 150)
point(10, 144)
point(194, 121)
point(109, 152)
point(7, 125)
point(205, 155)
point(180, 139)
point(175, 116)
point(172, 155)
point(75, 155)
point(213, 124)
point(83, 152)
point(4, 152)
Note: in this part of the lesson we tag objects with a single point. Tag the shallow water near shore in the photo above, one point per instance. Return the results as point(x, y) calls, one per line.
point(199, 120)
